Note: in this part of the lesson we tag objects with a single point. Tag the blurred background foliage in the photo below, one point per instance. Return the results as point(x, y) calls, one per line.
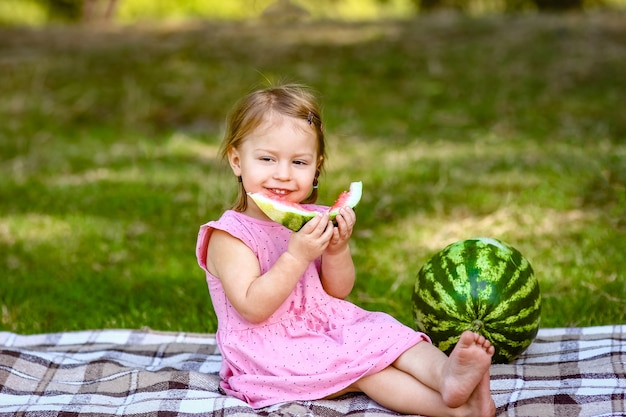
point(474, 122)
point(40, 12)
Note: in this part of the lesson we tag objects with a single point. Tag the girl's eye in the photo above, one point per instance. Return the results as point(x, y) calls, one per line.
point(265, 159)
point(297, 162)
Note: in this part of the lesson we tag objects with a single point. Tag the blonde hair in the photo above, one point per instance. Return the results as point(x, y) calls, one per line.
point(293, 100)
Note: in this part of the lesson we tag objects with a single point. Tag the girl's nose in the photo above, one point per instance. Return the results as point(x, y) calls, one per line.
point(282, 171)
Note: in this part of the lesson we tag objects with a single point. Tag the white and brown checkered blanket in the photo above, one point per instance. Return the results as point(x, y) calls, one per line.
point(565, 372)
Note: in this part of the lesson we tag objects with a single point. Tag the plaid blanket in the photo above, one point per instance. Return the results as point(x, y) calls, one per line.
point(565, 372)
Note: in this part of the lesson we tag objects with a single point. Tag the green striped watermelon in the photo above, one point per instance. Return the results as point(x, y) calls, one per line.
point(483, 285)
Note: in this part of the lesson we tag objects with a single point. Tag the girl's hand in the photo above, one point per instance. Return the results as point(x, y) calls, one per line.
point(310, 242)
point(342, 233)
point(338, 273)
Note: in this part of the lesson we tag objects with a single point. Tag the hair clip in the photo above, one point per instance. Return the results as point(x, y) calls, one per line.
point(309, 118)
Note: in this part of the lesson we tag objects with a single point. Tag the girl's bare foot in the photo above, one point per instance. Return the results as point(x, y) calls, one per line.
point(466, 368)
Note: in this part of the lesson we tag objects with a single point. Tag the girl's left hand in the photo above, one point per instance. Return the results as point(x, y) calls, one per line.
point(342, 232)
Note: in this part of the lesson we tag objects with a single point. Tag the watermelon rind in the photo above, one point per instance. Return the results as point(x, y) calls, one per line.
point(480, 284)
point(288, 215)
point(294, 216)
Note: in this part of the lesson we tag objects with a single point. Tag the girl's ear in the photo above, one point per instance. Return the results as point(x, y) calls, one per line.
point(235, 161)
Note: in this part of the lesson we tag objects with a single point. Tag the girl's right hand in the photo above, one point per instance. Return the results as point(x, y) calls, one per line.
point(310, 242)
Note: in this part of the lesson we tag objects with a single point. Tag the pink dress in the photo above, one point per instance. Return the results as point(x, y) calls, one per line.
point(313, 346)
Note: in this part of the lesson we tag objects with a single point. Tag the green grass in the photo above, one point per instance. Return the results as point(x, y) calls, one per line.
point(511, 127)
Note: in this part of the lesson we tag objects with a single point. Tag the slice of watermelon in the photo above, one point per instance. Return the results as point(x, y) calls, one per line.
point(293, 216)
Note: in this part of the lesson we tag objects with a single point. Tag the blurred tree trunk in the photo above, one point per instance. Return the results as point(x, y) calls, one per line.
point(285, 10)
point(99, 10)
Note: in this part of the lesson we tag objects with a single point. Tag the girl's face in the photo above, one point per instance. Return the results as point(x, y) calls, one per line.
point(279, 157)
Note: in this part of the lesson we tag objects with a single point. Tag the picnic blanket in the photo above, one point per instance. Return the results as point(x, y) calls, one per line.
point(565, 372)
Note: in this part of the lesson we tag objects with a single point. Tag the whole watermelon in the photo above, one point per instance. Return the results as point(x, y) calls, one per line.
point(479, 284)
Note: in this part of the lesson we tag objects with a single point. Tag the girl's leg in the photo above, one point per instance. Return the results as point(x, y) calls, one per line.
point(455, 377)
point(401, 392)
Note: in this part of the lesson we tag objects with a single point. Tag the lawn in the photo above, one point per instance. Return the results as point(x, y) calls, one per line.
point(512, 127)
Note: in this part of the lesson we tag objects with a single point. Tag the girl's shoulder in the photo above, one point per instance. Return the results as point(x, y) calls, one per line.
point(231, 222)
point(241, 226)
point(232, 218)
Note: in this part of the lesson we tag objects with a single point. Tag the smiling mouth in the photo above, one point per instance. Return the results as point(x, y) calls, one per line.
point(278, 191)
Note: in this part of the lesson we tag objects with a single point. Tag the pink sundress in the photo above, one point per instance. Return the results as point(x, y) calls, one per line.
point(313, 346)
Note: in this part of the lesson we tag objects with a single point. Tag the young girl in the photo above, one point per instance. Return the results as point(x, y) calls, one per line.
point(284, 330)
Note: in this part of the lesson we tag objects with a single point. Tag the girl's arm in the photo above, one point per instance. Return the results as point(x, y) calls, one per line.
point(338, 272)
point(256, 296)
